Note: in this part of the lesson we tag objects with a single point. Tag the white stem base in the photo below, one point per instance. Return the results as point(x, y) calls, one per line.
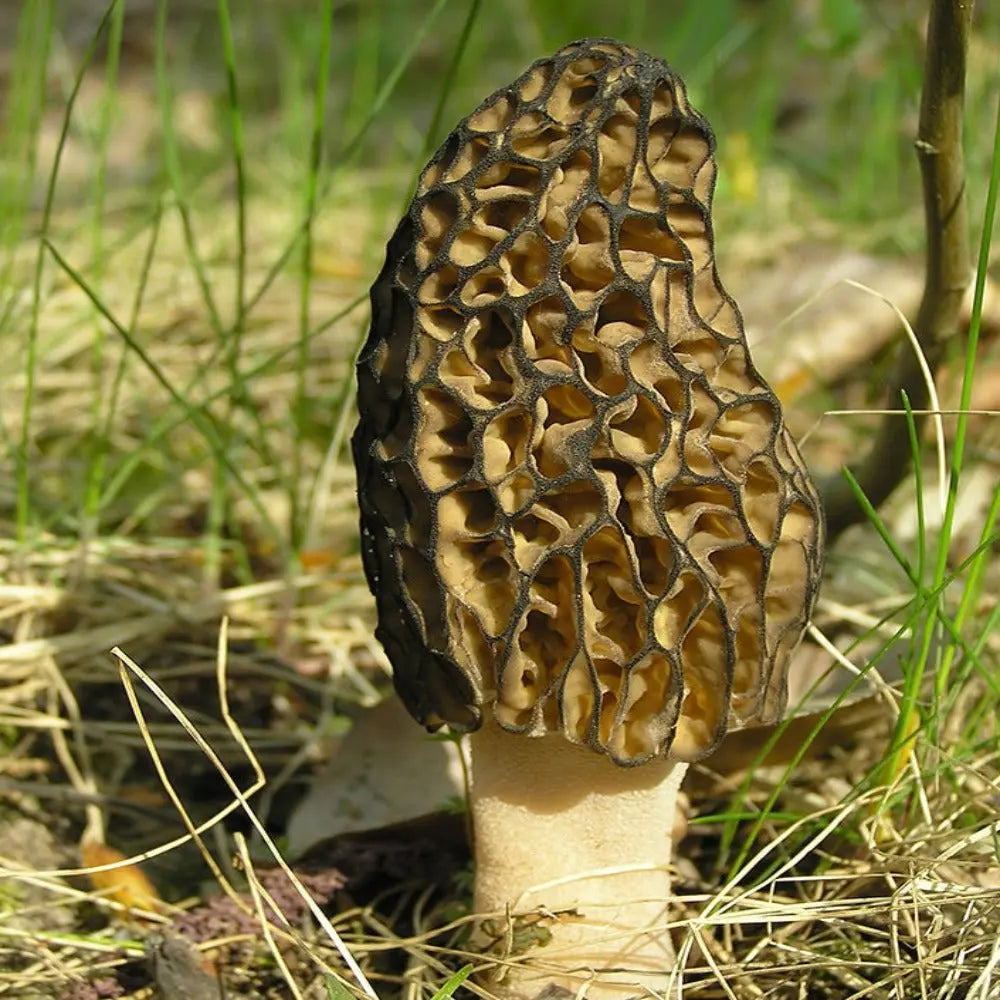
point(559, 827)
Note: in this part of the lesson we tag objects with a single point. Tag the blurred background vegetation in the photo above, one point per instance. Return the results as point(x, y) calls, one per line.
point(827, 89)
point(277, 143)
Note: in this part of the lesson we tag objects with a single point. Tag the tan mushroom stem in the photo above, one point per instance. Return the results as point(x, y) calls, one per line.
point(560, 828)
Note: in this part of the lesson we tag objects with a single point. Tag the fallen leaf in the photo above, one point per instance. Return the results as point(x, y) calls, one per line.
point(127, 885)
point(385, 771)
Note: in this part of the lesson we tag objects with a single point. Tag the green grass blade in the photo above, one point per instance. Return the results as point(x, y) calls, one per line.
point(300, 407)
point(23, 514)
point(452, 983)
point(918, 491)
point(942, 678)
point(219, 500)
point(172, 165)
point(23, 106)
point(109, 104)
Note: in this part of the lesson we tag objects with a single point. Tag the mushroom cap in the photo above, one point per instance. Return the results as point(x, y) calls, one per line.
point(580, 508)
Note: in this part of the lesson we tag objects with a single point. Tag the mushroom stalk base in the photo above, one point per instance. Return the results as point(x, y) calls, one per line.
point(559, 828)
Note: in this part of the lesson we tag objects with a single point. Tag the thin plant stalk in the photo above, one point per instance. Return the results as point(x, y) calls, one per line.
point(220, 494)
point(300, 407)
point(100, 446)
point(940, 153)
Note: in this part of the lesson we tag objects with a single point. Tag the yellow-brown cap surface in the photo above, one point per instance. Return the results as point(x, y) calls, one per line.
point(580, 508)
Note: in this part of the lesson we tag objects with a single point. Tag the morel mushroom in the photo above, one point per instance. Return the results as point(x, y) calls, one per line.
point(592, 542)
